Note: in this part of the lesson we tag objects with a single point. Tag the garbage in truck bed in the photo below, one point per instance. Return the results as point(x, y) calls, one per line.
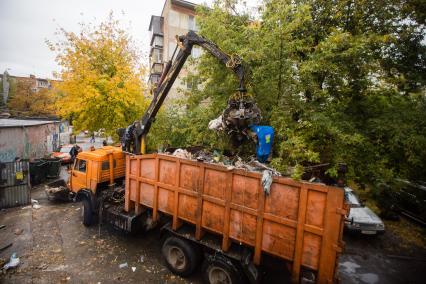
point(201, 154)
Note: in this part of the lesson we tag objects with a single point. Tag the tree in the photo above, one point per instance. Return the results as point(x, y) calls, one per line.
point(25, 100)
point(340, 81)
point(101, 78)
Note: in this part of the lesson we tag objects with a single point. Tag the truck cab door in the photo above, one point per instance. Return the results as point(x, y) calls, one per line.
point(79, 175)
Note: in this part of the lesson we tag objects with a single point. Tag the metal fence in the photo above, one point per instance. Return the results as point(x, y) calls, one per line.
point(14, 184)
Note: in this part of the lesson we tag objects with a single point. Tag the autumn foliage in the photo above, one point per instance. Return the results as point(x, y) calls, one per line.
point(29, 101)
point(101, 78)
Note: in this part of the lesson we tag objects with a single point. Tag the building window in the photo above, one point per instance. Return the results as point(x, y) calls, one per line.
point(174, 18)
point(183, 21)
point(154, 79)
point(157, 55)
point(191, 23)
point(158, 41)
point(157, 68)
point(42, 84)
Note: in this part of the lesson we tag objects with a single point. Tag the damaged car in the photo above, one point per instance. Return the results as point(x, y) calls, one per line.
point(361, 218)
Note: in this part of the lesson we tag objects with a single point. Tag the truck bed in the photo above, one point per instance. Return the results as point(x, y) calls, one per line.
point(299, 222)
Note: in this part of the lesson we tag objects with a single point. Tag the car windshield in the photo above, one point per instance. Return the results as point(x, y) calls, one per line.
point(66, 149)
point(352, 199)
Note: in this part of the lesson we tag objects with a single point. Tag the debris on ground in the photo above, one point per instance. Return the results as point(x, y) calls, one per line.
point(57, 190)
point(18, 231)
point(123, 265)
point(13, 262)
point(133, 268)
point(35, 204)
point(2, 226)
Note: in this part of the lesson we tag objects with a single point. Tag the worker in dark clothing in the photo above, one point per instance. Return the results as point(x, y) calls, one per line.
point(128, 138)
point(92, 138)
point(74, 152)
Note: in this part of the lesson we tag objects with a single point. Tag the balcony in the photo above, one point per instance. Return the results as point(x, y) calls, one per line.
point(156, 55)
point(156, 25)
point(157, 41)
point(157, 68)
point(153, 79)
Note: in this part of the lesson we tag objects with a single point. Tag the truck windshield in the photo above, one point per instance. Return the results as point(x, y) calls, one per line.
point(80, 165)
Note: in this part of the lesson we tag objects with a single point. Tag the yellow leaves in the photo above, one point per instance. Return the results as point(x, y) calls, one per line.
point(27, 101)
point(101, 77)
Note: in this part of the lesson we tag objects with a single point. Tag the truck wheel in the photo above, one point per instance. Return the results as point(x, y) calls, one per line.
point(87, 212)
point(219, 270)
point(181, 256)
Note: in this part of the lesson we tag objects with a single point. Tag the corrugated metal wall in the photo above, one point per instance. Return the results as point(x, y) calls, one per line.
point(14, 184)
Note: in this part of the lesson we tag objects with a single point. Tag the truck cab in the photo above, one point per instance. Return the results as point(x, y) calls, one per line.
point(95, 173)
point(91, 170)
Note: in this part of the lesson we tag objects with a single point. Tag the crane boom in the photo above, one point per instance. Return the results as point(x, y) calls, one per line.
point(135, 134)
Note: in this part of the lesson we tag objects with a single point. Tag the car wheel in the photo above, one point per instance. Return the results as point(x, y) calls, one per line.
point(220, 270)
point(87, 212)
point(180, 255)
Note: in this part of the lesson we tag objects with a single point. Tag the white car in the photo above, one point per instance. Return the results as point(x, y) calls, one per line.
point(361, 219)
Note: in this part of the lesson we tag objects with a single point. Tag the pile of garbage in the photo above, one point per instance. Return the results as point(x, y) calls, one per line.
point(234, 162)
point(57, 190)
point(215, 157)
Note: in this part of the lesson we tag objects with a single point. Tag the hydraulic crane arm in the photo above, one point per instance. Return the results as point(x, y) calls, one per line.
point(134, 138)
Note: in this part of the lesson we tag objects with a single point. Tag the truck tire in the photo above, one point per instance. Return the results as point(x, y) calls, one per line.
point(221, 270)
point(181, 256)
point(87, 212)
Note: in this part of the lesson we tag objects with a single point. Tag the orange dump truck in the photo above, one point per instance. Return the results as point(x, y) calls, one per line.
point(223, 216)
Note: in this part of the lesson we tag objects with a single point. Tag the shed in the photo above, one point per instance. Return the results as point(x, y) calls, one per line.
point(28, 138)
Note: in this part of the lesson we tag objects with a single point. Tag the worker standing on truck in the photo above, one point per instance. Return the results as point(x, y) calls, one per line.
point(74, 152)
point(129, 136)
point(263, 136)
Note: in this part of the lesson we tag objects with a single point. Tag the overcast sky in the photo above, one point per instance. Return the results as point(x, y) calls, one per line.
point(26, 24)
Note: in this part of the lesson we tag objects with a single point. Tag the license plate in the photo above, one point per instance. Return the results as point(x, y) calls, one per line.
point(368, 232)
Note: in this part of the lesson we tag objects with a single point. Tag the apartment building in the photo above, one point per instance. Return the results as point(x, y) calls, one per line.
point(177, 18)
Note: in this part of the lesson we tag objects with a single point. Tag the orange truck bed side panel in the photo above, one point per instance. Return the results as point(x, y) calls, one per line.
point(299, 222)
